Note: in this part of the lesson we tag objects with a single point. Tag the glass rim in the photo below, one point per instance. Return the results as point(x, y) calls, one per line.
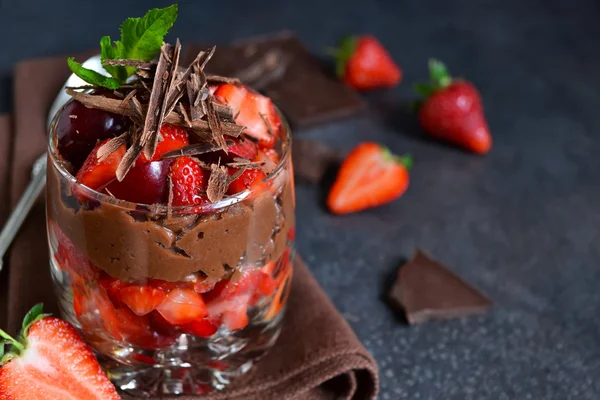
point(59, 165)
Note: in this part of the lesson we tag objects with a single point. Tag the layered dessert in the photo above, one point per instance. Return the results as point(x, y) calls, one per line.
point(170, 207)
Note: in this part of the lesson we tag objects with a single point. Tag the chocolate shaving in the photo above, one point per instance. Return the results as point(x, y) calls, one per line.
point(111, 146)
point(193, 150)
point(154, 116)
point(129, 96)
point(217, 183)
point(222, 79)
point(139, 64)
point(138, 111)
point(215, 124)
point(130, 156)
point(267, 124)
point(184, 115)
point(246, 164)
point(194, 97)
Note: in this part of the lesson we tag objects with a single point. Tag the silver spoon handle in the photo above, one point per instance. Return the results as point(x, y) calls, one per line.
point(38, 180)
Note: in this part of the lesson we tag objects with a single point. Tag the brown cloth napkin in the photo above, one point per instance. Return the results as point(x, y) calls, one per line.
point(317, 356)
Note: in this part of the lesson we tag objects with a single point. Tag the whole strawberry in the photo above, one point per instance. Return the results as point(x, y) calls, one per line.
point(363, 63)
point(452, 111)
point(49, 361)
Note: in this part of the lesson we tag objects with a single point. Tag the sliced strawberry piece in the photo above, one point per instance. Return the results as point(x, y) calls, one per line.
point(51, 361)
point(249, 179)
point(160, 325)
point(369, 176)
point(96, 174)
point(142, 299)
point(174, 138)
point(189, 181)
point(243, 148)
point(113, 287)
point(144, 183)
point(247, 283)
point(253, 110)
point(236, 318)
point(182, 306)
point(203, 328)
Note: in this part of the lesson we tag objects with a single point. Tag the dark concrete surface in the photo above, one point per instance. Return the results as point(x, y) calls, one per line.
point(522, 223)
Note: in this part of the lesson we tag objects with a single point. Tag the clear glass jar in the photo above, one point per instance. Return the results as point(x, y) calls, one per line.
point(177, 301)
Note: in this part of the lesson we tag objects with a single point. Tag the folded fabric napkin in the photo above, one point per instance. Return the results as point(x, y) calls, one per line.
point(317, 356)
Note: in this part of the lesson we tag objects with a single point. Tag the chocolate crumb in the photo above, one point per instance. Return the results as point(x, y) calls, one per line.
point(312, 159)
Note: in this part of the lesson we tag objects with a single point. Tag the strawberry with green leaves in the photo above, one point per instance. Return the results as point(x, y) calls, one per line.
point(369, 176)
point(50, 361)
point(452, 111)
point(363, 63)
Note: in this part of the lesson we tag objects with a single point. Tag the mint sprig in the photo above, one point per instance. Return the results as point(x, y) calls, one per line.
point(141, 39)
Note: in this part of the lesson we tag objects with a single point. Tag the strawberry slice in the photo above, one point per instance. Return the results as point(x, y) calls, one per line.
point(96, 174)
point(224, 289)
point(174, 138)
point(253, 110)
point(188, 181)
point(236, 318)
point(243, 148)
point(113, 287)
point(249, 179)
point(50, 361)
point(142, 299)
point(182, 306)
point(369, 176)
point(203, 328)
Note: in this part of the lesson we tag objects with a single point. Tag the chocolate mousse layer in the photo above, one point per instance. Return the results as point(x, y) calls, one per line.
point(129, 247)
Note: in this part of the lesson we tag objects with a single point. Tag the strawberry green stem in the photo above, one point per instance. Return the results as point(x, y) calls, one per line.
point(12, 341)
point(406, 160)
point(439, 78)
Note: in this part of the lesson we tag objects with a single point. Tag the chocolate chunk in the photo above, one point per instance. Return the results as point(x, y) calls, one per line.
point(280, 66)
point(427, 290)
point(312, 159)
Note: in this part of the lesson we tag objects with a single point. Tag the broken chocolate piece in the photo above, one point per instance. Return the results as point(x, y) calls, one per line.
point(280, 66)
point(427, 290)
point(311, 159)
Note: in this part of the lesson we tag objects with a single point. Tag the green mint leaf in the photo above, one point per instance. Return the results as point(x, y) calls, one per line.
point(110, 52)
point(92, 77)
point(141, 39)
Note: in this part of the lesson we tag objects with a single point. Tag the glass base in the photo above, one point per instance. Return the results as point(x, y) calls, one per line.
point(185, 369)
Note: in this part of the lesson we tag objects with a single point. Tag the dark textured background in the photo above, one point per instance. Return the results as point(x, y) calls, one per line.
point(521, 223)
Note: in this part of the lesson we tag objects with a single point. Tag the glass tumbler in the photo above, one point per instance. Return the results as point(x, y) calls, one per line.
point(176, 300)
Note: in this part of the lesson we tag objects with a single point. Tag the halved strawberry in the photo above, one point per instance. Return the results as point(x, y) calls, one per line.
point(243, 148)
point(48, 361)
point(113, 287)
point(189, 181)
point(253, 110)
point(174, 138)
point(97, 174)
point(182, 306)
point(203, 328)
point(249, 179)
point(369, 176)
point(142, 299)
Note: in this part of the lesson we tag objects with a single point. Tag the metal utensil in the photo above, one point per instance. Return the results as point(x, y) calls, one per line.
point(38, 173)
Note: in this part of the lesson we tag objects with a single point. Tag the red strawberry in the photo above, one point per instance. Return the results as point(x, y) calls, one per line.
point(453, 111)
point(249, 179)
point(369, 176)
point(203, 328)
point(243, 148)
point(96, 174)
point(113, 287)
point(142, 299)
point(188, 181)
point(50, 361)
point(174, 138)
point(226, 289)
point(364, 64)
point(236, 318)
point(253, 110)
point(182, 306)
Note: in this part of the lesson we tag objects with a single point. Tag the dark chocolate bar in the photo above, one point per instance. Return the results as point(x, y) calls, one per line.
point(282, 68)
point(427, 290)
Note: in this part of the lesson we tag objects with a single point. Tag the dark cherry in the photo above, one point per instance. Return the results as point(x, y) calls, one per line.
point(144, 183)
point(79, 128)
